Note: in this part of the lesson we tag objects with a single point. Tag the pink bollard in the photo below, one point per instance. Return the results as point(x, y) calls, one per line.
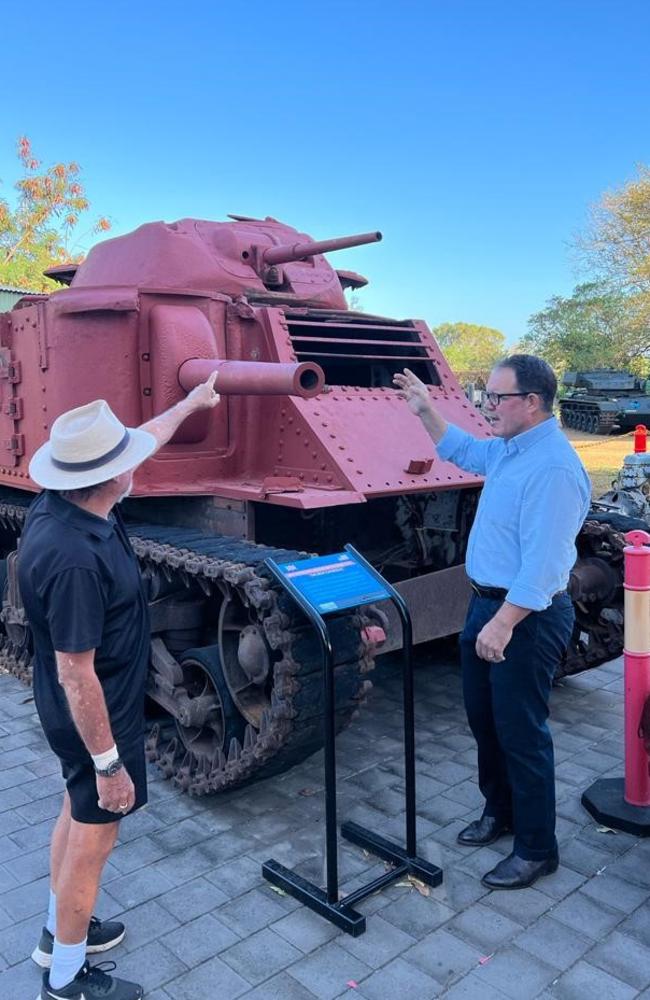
point(624, 803)
point(637, 664)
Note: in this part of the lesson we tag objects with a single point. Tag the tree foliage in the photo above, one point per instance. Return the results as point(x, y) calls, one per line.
point(37, 232)
point(468, 347)
point(616, 244)
point(606, 322)
point(616, 248)
point(596, 327)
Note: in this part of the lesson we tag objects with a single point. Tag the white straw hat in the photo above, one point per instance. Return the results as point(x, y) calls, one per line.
point(87, 446)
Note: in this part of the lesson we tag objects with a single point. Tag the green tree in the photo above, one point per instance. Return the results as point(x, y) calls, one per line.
point(38, 231)
point(616, 244)
point(468, 347)
point(616, 248)
point(596, 327)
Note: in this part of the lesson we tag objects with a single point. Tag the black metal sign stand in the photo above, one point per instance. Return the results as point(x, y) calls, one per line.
point(405, 860)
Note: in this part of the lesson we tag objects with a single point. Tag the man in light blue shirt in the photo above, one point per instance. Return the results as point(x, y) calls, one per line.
point(520, 552)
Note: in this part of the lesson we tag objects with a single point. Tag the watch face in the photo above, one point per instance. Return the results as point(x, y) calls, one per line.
point(113, 768)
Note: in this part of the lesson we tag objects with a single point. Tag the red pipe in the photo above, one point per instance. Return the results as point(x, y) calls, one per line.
point(254, 378)
point(637, 664)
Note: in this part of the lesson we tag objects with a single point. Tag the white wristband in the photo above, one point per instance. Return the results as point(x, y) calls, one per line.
point(102, 760)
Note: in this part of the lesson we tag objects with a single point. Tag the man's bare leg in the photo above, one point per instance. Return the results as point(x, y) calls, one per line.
point(87, 848)
point(59, 841)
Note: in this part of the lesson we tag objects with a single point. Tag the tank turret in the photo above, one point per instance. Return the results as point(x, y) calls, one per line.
point(603, 399)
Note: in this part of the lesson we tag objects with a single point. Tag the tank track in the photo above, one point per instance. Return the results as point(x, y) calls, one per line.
point(606, 423)
point(598, 631)
point(573, 417)
point(291, 728)
point(14, 658)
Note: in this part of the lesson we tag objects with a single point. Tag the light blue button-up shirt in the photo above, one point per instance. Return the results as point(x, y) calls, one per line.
point(535, 498)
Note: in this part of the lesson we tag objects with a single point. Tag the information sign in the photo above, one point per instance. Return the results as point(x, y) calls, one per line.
point(333, 583)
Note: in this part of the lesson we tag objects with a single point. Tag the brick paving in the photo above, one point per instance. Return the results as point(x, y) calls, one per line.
point(203, 924)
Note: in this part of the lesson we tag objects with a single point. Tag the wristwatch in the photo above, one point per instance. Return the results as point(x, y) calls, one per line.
point(108, 772)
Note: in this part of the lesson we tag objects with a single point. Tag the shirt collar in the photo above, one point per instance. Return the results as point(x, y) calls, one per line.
point(77, 517)
point(520, 442)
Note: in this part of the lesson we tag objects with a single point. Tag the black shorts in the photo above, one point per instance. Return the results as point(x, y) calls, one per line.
point(80, 779)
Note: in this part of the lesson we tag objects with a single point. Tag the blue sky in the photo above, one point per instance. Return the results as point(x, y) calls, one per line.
point(475, 135)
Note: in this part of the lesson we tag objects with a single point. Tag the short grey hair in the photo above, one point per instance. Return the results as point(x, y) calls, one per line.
point(82, 494)
point(533, 375)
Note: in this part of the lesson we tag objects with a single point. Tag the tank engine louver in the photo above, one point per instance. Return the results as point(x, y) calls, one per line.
point(360, 351)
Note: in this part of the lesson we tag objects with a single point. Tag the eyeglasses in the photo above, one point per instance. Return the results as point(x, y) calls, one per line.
point(494, 398)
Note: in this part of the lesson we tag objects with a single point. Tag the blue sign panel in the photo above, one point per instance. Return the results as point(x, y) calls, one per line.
point(333, 583)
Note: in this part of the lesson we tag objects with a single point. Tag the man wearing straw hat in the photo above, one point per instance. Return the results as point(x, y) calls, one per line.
point(82, 592)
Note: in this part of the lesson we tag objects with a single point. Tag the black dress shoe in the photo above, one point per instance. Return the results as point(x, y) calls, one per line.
point(518, 873)
point(482, 831)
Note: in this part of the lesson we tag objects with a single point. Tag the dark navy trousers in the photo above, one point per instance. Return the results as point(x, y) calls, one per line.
point(507, 710)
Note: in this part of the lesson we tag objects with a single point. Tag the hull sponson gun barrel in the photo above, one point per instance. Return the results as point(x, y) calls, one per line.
point(254, 378)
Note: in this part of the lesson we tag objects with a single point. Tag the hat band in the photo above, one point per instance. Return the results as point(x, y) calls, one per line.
point(96, 463)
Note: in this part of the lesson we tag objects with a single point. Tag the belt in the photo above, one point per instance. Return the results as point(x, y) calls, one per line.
point(498, 593)
point(495, 593)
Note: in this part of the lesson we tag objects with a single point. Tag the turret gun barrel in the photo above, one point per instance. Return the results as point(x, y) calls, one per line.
point(287, 252)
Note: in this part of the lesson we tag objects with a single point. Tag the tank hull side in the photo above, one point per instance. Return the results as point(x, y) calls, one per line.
point(125, 345)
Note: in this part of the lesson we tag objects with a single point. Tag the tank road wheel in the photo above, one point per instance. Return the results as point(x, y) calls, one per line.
point(564, 417)
point(207, 720)
point(592, 423)
point(246, 659)
point(18, 642)
point(571, 419)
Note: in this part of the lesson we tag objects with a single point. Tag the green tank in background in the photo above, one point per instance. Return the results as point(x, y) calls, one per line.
point(601, 400)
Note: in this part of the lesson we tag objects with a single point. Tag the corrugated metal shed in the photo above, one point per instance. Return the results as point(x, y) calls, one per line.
point(9, 296)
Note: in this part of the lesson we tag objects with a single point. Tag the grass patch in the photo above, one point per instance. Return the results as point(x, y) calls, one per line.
point(602, 456)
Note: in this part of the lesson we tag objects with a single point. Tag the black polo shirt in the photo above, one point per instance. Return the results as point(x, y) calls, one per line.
point(82, 590)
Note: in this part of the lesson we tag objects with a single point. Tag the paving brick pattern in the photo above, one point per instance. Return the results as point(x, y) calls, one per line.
point(203, 924)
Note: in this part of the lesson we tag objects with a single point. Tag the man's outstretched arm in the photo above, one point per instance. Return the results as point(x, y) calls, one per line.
point(453, 444)
point(164, 426)
point(415, 393)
